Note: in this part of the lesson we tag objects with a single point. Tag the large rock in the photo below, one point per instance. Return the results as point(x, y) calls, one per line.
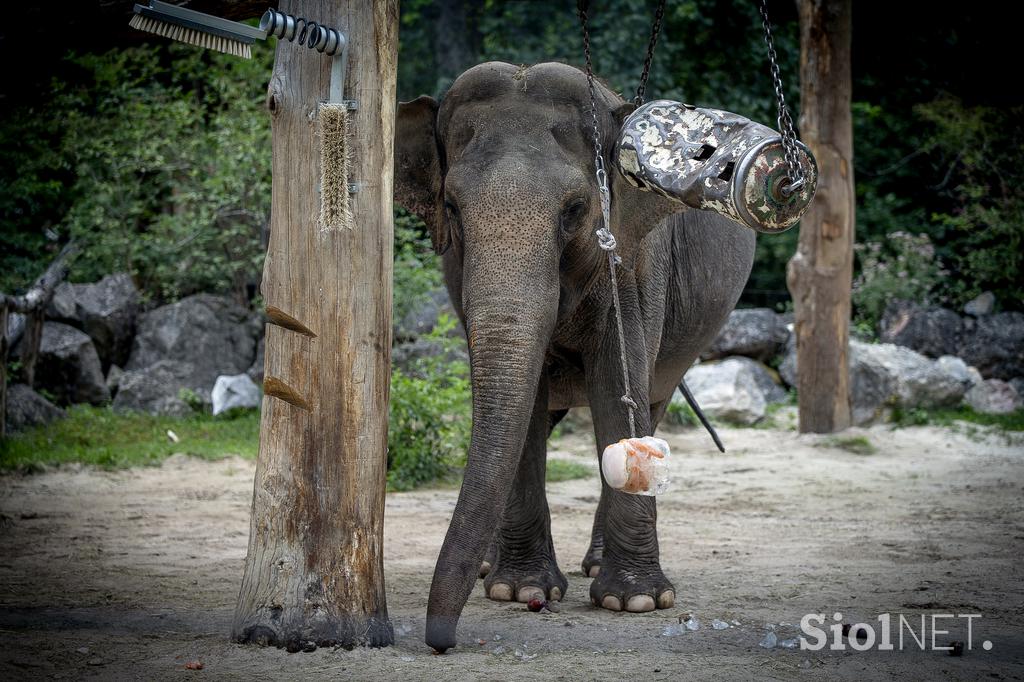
point(26, 408)
point(68, 366)
point(931, 331)
point(255, 370)
point(885, 375)
point(211, 333)
point(422, 317)
point(410, 355)
point(995, 345)
point(757, 333)
point(993, 396)
point(105, 310)
point(732, 390)
point(166, 387)
point(238, 391)
point(981, 305)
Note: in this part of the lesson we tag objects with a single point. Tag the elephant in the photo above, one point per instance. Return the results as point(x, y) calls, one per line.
point(502, 172)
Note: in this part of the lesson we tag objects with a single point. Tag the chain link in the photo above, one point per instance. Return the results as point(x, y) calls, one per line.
point(645, 74)
point(605, 238)
point(789, 148)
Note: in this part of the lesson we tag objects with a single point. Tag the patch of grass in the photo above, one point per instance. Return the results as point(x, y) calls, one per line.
point(100, 437)
point(858, 445)
point(679, 413)
point(948, 417)
point(562, 470)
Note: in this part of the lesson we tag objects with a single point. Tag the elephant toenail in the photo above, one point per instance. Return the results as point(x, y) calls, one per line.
point(485, 568)
point(640, 603)
point(612, 603)
point(594, 570)
point(527, 593)
point(500, 592)
point(556, 594)
point(666, 599)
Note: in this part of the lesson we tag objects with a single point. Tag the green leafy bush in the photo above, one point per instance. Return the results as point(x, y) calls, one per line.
point(417, 267)
point(980, 152)
point(904, 267)
point(156, 159)
point(429, 426)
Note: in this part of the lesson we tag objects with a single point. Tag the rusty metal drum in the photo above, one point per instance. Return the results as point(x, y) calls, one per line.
point(716, 161)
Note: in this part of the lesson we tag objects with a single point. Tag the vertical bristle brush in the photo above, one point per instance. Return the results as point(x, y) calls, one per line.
point(231, 37)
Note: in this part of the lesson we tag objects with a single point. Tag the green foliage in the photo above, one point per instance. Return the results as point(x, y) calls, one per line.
point(949, 417)
point(563, 470)
point(98, 436)
point(858, 445)
point(679, 413)
point(417, 267)
point(429, 426)
point(981, 150)
point(156, 159)
point(903, 268)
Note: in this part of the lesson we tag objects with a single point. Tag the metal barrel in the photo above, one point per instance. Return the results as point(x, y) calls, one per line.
point(714, 160)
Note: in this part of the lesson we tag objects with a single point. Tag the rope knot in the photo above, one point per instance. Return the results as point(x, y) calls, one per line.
point(605, 239)
point(629, 401)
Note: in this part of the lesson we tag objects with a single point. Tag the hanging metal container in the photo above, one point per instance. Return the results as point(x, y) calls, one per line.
point(716, 161)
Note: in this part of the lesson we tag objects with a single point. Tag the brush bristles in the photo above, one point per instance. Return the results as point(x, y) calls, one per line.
point(191, 36)
point(335, 205)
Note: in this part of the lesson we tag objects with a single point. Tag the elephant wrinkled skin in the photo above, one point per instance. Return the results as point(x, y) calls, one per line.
point(502, 173)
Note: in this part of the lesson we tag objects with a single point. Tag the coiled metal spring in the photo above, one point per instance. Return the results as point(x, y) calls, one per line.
point(324, 39)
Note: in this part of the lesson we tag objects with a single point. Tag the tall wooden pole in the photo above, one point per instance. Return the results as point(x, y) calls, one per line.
point(314, 571)
point(819, 275)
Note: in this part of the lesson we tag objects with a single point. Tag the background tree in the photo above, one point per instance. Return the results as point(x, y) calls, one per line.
point(820, 273)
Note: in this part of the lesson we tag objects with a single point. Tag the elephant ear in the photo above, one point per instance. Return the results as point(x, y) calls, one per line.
point(418, 167)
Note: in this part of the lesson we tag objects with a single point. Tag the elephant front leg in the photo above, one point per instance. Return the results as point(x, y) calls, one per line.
point(624, 547)
point(524, 566)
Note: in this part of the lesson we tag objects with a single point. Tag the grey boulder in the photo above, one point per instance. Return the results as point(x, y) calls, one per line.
point(995, 345)
point(68, 366)
point(410, 356)
point(255, 370)
point(931, 331)
point(982, 304)
point(26, 408)
point(757, 333)
point(238, 391)
point(993, 396)
point(166, 387)
point(105, 310)
point(884, 375)
point(211, 333)
point(732, 390)
point(422, 317)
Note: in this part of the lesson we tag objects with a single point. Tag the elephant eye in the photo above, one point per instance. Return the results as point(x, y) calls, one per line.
point(571, 215)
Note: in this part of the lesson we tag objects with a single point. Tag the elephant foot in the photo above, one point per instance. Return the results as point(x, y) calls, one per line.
point(538, 578)
point(634, 588)
point(592, 561)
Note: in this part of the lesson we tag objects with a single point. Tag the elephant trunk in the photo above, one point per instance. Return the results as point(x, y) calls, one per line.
point(508, 338)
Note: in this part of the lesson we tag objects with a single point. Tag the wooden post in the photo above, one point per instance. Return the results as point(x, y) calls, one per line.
point(28, 327)
point(314, 571)
point(819, 275)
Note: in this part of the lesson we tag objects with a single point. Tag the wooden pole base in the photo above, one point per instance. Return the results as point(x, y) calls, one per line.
point(314, 572)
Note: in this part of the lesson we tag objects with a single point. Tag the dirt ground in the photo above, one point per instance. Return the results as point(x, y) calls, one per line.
point(130, 574)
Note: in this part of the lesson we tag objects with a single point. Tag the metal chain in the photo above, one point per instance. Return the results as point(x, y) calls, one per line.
point(645, 74)
point(605, 238)
point(796, 172)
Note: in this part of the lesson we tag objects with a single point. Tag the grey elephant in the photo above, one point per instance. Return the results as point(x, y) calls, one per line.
point(502, 171)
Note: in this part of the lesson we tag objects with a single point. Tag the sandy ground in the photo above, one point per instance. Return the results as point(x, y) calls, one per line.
point(129, 575)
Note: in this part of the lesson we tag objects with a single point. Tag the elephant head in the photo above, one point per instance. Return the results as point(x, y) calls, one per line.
point(503, 173)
